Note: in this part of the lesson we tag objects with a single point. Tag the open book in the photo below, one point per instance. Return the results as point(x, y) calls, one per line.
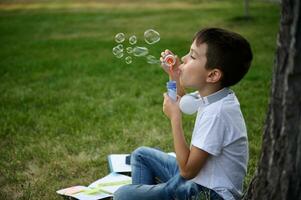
point(119, 165)
point(100, 189)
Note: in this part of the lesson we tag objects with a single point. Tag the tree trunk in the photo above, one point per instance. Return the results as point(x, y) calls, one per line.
point(278, 176)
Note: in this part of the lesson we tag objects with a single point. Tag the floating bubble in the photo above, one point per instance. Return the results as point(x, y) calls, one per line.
point(119, 55)
point(151, 36)
point(119, 37)
point(133, 40)
point(140, 51)
point(152, 60)
point(120, 46)
point(129, 50)
point(128, 60)
point(117, 50)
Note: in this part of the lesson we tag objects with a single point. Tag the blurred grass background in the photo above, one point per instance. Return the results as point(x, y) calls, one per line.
point(66, 102)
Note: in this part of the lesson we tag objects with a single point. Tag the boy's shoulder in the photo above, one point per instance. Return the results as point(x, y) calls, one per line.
point(227, 106)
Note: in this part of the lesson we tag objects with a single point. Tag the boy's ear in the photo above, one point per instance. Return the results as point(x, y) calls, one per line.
point(214, 75)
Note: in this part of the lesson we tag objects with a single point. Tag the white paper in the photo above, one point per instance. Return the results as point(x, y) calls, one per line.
point(114, 179)
point(117, 163)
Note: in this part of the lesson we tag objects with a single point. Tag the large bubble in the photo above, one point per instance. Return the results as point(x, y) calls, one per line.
point(152, 60)
point(151, 36)
point(140, 51)
point(119, 37)
point(128, 60)
point(133, 40)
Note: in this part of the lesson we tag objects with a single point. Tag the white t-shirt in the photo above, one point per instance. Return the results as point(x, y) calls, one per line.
point(220, 130)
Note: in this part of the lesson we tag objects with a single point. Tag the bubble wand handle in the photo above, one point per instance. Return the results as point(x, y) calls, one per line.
point(170, 73)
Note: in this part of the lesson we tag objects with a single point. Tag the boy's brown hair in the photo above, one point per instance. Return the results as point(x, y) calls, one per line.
point(227, 51)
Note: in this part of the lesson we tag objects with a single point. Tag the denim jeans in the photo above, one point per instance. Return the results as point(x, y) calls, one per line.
point(155, 176)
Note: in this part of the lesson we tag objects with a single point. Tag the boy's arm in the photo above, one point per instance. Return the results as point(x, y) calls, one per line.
point(190, 160)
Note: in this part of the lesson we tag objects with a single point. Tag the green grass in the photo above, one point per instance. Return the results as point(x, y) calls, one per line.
point(66, 102)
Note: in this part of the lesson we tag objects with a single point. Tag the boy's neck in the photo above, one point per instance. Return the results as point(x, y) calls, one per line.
point(206, 91)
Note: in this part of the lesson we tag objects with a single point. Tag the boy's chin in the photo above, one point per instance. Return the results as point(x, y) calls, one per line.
point(186, 85)
point(182, 82)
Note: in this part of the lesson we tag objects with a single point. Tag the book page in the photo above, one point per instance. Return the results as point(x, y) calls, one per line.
point(111, 182)
point(117, 163)
point(84, 193)
point(72, 190)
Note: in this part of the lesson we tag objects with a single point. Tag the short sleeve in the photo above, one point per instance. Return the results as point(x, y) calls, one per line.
point(208, 134)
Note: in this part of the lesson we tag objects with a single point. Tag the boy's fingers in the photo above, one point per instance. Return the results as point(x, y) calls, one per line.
point(167, 51)
point(165, 95)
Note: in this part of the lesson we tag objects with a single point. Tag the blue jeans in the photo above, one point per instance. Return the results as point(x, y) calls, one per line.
point(155, 176)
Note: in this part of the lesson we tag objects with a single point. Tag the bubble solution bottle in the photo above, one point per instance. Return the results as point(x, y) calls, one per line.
point(172, 89)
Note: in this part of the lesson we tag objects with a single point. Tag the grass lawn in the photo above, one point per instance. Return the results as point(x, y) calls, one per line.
point(66, 102)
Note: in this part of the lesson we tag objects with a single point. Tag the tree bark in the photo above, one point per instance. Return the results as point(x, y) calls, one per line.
point(278, 175)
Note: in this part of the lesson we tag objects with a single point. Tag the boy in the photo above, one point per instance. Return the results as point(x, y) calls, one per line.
point(215, 163)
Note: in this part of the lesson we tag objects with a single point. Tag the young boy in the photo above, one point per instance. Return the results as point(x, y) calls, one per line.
point(215, 163)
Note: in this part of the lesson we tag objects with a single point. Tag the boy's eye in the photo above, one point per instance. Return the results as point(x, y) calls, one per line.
point(191, 56)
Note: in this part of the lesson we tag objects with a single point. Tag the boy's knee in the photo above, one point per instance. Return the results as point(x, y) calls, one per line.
point(139, 152)
point(121, 193)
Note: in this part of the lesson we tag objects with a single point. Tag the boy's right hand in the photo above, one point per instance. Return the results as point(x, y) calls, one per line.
point(172, 71)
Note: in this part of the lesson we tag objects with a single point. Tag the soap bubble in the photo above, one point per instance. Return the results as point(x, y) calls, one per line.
point(115, 50)
point(128, 60)
point(120, 46)
point(129, 50)
point(118, 51)
point(151, 36)
point(119, 37)
point(133, 40)
point(140, 51)
point(119, 55)
point(152, 60)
